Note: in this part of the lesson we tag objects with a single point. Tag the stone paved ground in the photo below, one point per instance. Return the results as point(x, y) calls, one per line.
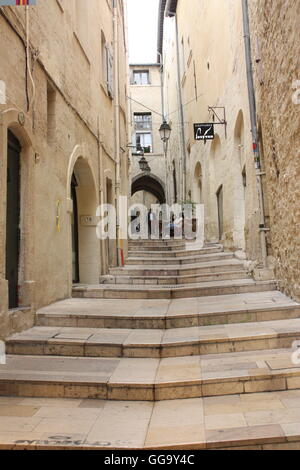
point(135, 364)
point(235, 420)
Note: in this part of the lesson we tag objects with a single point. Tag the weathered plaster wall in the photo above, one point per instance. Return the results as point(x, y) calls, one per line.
point(65, 44)
point(213, 73)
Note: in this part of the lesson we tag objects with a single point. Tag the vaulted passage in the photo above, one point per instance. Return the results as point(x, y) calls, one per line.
point(151, 185)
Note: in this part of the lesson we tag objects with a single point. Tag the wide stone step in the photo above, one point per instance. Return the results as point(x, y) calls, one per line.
point(158, 248)
point(187, 259)
point(113, 291)
point(179, 270)
point(149, 379)
point(98, 342)
point(256, 421)
point(160, 243)
point(167, 280)
point(166, 314)
point(174, 253)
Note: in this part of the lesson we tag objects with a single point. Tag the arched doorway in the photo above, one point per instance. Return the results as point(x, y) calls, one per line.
point(75, 226)
point(13, 219)
point(175, 182)
point(85, 244)
point(197, 187)
point(145, 198)
point(216, 185)
point(151, 185)
point(240, 178)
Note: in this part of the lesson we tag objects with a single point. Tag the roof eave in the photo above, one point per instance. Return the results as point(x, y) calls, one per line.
point(166, 8)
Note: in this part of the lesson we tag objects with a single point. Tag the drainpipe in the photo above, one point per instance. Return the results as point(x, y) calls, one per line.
point(117, 125)
point(183, 142)
point(101, 196)
point(30, 103)
point(165, 145)
point(129, 111)
point(253, 117)
point(162, 85)
point(181, 114)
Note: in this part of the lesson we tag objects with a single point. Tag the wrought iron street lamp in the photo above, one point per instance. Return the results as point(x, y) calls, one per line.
point(144, 166)
point(165, 134)
point(165, 131)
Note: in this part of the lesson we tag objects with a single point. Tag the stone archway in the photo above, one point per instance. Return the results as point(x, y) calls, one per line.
point(216, 180)
point(240, 177)
point(198, 184)
point(84, 248)
point(150, 184)
point(15, 124)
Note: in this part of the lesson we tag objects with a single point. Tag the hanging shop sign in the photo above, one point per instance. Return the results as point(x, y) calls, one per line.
point(204, 131)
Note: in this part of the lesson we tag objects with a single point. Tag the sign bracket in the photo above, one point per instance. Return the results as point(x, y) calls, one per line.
point(221, 121)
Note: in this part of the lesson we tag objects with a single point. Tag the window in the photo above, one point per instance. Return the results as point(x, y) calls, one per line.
point(143, 121)
point(107, 65)
point(182, 57)
point(141, 77)
point(144, 141)
point(51, 118)
point(103, 58)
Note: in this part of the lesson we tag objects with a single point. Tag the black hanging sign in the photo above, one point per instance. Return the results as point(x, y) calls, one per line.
point(204, 131)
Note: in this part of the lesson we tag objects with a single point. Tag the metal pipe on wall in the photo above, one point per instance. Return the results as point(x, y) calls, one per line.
point(182, 160)
point(182, 133)
point(117, 125)
point(253, 117)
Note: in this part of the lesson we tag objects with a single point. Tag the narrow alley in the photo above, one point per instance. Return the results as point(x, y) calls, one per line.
point(149, 216)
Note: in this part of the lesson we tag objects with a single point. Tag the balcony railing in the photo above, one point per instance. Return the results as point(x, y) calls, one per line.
point(143, 125)
point(140, 150)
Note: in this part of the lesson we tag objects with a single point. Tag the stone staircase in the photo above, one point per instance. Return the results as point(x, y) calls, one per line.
point(166, 273)
point(178, 325)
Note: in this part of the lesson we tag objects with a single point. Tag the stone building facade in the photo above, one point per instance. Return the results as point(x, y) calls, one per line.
point(63, 137)
point(205, 82)
point(276, 43)
point(146, 119)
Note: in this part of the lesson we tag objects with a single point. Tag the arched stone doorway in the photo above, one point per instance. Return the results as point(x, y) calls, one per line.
point(240, 179)
point(13, 203)
point(150, 184)
point(17, 288)
point(85, 246)
point(175, 183)
point(197, 186)
point(216, 181)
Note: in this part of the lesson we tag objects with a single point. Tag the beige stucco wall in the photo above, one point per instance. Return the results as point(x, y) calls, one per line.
point(275, 27)
point(150, 98)
point(214, 75)
point(65, 54)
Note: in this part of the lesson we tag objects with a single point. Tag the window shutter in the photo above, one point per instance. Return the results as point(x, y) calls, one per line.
point(110, 72)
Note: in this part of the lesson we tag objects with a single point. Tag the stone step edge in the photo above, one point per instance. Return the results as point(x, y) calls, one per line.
point(173, 279)
point(205, 256)
point(175, 288)
point(185, 276)
point(208, 264)
point(115, 291)
point(174, 253)
point(286, 379)
point(167, 319)
point(193, 347)
point(201, 267)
